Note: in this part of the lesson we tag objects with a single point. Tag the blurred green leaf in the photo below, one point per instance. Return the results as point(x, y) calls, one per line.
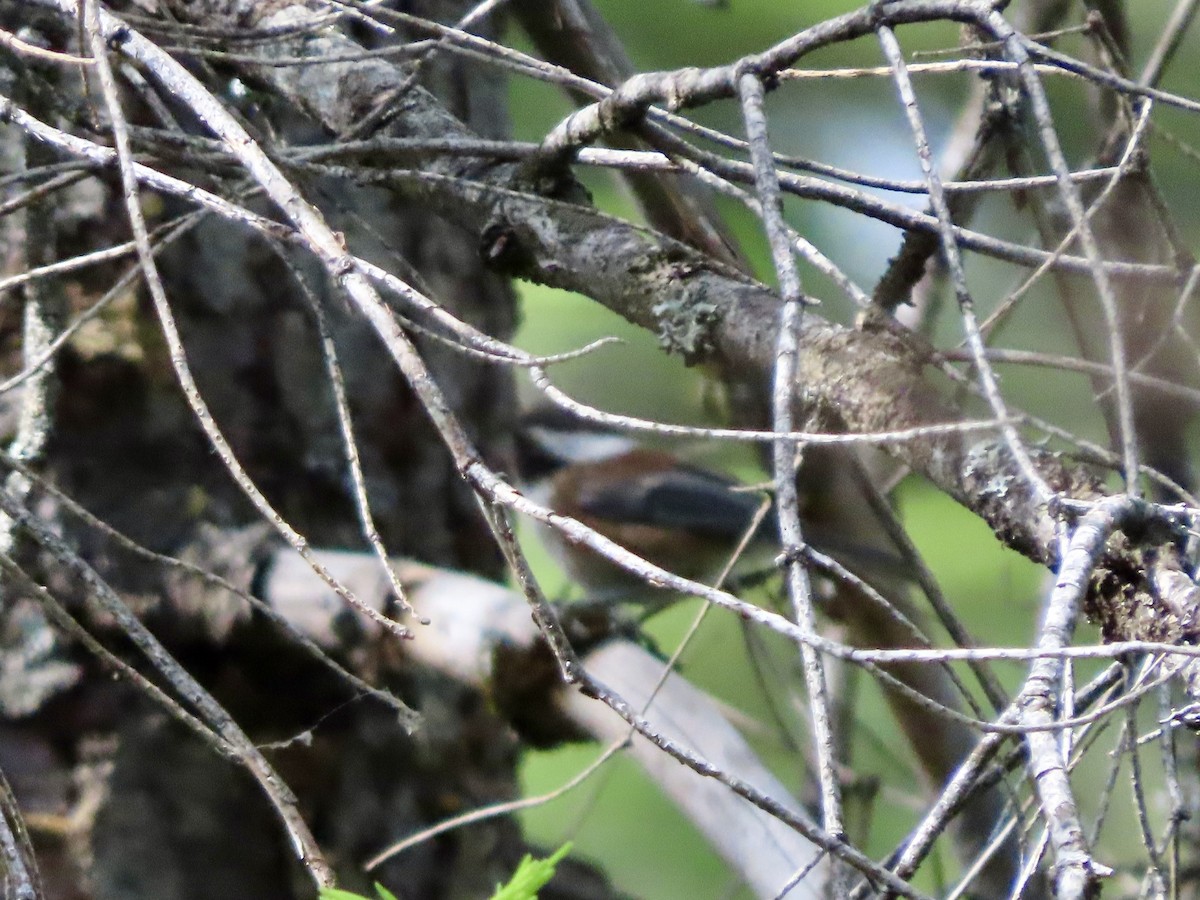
point(531, 876)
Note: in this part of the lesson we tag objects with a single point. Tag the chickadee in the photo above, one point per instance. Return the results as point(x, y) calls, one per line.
point(682, 518)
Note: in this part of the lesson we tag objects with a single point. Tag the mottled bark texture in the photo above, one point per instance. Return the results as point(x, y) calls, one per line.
point(123, 803)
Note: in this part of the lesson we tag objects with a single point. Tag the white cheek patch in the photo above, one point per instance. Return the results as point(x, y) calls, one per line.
point(582, 446)
point(540, 492)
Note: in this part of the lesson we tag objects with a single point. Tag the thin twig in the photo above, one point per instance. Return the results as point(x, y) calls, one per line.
point(786, 453)
point(307, 850)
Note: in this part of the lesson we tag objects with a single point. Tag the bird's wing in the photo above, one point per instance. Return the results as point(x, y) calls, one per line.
point(694, 500)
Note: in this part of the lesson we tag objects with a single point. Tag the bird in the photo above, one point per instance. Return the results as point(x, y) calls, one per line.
point(681, 517)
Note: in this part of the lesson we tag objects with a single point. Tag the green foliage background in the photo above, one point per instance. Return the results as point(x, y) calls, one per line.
point(618, 819)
